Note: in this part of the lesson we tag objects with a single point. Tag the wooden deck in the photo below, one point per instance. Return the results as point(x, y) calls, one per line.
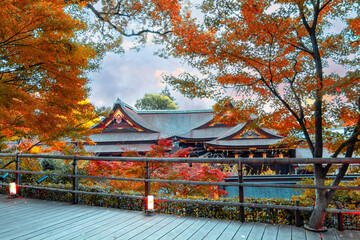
point(22, 218)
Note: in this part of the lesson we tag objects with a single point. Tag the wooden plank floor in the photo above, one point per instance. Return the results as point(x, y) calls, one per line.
point(22, 218)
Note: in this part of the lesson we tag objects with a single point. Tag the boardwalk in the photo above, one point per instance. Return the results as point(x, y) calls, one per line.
point(22, 218)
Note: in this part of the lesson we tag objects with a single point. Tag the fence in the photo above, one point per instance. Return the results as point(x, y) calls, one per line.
point(147, 180)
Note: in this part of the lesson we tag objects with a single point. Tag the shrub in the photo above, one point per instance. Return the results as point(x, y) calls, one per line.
point(273, 216)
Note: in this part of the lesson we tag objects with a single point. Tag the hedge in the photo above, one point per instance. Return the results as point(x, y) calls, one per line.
point(273, 216)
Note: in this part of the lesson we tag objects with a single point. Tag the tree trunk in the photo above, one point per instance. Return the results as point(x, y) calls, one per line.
point(317, 217)
point(323, 197)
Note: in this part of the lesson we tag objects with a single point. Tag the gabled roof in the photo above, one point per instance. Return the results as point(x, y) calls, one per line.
point(243, 144)
point(129, 129)
point(245, 136)
point(123, 115)
point(176, 122)
point(125, 124)
point(246, 131)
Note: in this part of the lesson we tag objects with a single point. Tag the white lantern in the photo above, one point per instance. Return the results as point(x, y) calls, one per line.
point(12, 189)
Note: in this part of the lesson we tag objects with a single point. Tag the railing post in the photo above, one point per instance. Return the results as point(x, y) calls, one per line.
point(149, 200)
point(241, 192)
point(17, 175)
point(75, 196)
point(298, 220)
point(147, 176)
point(340, 217)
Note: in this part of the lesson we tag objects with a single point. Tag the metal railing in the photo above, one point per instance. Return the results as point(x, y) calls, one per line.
point(147, 179)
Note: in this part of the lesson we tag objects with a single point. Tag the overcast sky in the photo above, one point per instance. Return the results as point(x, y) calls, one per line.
point(129, 76)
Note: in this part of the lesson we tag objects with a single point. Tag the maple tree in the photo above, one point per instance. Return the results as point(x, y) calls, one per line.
point(273, 56)
point(168, 171)
point(42, 72)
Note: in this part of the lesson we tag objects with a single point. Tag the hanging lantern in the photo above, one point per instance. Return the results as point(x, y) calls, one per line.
point(264, 155)
point(281, 155)
point(12, 189)
point(251, 155)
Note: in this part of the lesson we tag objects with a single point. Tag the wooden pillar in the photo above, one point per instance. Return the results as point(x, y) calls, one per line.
point(17, 175)
point(148, 210)
point(241, 192)
point(340, 217)
point(75, 196)
point(298, 220)
point(147, 176)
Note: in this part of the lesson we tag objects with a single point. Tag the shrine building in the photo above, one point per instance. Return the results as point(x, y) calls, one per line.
point(128, 129)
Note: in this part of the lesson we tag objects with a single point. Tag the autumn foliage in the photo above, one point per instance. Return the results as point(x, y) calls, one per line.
point(293, 64)
point(169, 171)
point(42, 81)
point(272, 55)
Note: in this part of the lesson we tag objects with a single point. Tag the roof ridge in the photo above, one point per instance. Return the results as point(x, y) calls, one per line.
point(174, 111)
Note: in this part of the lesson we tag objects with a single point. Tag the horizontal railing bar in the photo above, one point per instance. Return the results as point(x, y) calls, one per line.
point(186, 182)
point(249, 205)
point(227, 183)
point(197, 160)
point(344, 211)
point(81, 192)
point(285, 178)
point(72, 176)
point(273, 185)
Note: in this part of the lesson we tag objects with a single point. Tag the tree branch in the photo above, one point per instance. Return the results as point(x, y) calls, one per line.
point(302, 47)
point(325, 4)
point(296, 116)
point(34, 145)
point(303, 18)
point(297, 98)
point(351, 140)
point(98, 15)
point(146, 31)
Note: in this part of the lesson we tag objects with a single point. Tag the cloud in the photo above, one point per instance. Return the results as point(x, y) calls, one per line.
point(130, 75)
point(127, 45)
point(158, 76)
point(178, 71)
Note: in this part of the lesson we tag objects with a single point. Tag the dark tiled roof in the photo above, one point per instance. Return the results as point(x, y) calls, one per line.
point(116, 148)
point(191, 125)
point(254, 142)
point(175, 123)
point(205, 133)
point(140, 120)
point(124, 136)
